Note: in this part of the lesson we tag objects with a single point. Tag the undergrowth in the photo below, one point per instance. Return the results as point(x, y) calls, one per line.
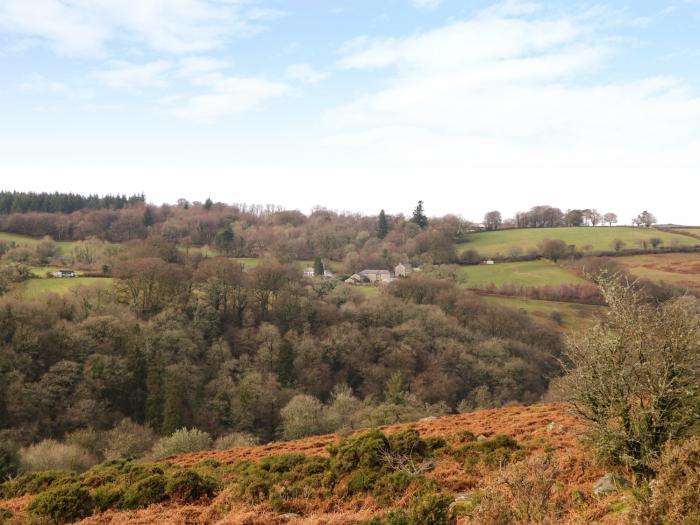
point(391, 469)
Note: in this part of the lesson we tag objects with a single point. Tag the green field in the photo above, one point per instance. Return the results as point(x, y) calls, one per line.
point(527, 273)
point(41, 271)
point(498, 243)
point(39, 287)
point(574, 316)
point(64, 247)
point(692, 231)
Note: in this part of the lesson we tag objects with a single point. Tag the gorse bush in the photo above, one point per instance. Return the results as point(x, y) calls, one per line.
point(52, 455)
point(63, 504)
point(430, 507)
point(182, 441)
point(188, 486)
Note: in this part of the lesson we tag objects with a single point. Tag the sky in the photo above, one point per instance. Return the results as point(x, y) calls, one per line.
point(357, 106)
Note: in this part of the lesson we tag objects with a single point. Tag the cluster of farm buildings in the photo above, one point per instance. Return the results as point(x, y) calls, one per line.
point(370, 276)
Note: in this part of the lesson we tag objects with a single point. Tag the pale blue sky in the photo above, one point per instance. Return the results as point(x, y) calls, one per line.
point(359, 105)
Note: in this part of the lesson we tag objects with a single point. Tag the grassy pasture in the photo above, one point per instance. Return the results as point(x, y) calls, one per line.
point(682, 269)
point(692, 231)
point(527, 273)
point(496, 243)
point(38, 287)
point(41, 271)
point(574, 316)
point(64, 247)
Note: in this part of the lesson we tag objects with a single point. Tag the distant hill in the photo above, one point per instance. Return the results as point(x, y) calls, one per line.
point(502, 242)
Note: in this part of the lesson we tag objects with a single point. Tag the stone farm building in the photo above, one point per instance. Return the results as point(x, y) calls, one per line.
point(380, 276)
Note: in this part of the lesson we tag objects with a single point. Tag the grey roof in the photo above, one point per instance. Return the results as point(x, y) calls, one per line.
point(369, 272)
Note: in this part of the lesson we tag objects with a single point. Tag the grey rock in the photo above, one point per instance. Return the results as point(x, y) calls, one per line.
point(609, 483)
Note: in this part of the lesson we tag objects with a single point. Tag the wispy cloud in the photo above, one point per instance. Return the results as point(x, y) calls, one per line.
point(425, 4)
point(304, 73)
point(224, 96)
point(86, 27)
point(136, 76)
point(514, 92)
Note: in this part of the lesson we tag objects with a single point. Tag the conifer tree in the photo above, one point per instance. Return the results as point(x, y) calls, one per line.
point(419, 216)
point(383, 225)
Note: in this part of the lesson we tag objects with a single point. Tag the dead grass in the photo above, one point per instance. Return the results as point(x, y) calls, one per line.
point(539, 428)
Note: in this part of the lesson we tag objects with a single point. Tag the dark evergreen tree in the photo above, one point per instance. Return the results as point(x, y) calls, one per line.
point(224, 240)
point(318, 267)
point(173, 401)
point(419, 216)
point(148, 218)
point(383, 225)
point(208, 204)
point(154, 394)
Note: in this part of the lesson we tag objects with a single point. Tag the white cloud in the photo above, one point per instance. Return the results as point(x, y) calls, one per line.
point(426, 4)
point(226, 95)
point(85, 27)
point(511, 96)
point(304, 73)
point(135, 76)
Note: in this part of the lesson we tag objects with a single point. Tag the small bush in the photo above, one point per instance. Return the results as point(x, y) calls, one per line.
point(145, 492)
point(361, 480)
point(673, 497)
point(188, 486)
point(88, 439)
point(408, 443)
point(235, 440)
point(63, 504)
point(108, 496)
point(432, 508)
point(182, 441)
point(524, 493)
point(35, 482)
point(368, 450)
point(428, 508)
point(492, 452)
point(128, 440)
point(52, 455)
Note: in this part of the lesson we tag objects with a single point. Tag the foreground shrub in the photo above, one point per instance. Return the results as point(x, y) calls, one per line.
point(145, 492)
point(182, 441)
point(234, 440)
point(52, 455)
point(188, 486)
point(63, 504)
point(633, 377)
point(368, 450)
point(524, 493)
point(427, 508)
point(493, 452)
point(35, 482)
point(674, 496)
